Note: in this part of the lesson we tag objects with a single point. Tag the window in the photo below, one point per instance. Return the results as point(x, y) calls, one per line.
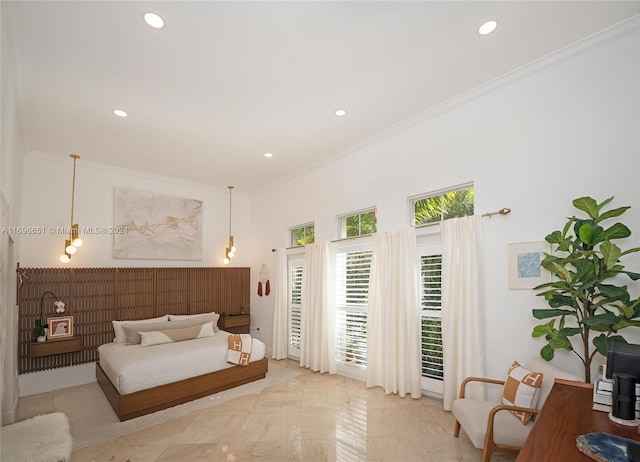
point(352, 296)
point(360, 224)
point(436, 208)
point(305, 234)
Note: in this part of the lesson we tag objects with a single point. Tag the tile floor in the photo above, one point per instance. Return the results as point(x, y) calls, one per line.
point(311, 417)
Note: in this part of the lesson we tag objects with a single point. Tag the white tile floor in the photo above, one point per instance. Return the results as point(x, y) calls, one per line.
point(311, 417)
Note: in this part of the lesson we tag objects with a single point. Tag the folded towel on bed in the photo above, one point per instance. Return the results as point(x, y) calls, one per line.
point(239, 349)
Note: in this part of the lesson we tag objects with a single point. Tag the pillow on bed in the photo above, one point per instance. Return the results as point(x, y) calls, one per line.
point(197, 318)
point(158, 337)
point(121, 337)
point(132, 332)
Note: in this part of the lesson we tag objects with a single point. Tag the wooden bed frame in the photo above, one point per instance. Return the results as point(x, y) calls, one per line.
point(154, 399)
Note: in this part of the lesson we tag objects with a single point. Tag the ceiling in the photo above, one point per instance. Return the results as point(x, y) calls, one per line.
point(224, 82)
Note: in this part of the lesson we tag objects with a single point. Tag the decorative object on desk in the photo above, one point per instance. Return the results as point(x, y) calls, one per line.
point(264, 279)
point(604, 447)
point(525, 271)
point(623, 399)
point(584, 263)
point(60, 327)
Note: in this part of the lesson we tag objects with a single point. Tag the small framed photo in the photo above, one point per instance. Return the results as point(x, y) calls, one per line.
point(60, 327)
point(524, 260)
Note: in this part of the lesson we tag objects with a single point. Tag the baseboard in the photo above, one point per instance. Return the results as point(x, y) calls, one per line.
point(53, 379)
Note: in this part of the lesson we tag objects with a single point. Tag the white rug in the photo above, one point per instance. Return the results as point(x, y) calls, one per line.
point(102, 424)
point(44, 438)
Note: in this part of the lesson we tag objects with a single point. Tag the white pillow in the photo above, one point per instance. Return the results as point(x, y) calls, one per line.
point(176, 335)
point(121, 336)
point(198, 318)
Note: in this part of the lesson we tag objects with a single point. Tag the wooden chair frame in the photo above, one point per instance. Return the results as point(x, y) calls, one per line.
point(491, 446)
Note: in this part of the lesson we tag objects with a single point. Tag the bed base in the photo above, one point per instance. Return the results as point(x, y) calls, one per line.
point(154, 399)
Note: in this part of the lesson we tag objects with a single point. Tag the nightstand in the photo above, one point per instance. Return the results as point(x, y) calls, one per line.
point(55, 347)
point(235, 323)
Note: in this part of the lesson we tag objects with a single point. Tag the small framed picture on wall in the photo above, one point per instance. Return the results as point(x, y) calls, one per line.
point(524, 259)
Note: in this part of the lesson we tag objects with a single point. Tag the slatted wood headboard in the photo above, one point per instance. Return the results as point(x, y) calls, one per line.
point(97, 296)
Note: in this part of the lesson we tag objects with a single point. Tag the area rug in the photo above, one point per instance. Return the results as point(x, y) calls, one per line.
point(102, 424)
point(44, 438)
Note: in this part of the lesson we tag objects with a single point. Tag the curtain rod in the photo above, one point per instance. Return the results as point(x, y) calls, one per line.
point(502, 211)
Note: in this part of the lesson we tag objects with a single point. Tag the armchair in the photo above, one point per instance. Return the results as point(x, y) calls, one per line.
point(489, 425)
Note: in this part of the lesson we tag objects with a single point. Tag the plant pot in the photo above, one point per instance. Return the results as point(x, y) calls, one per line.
point(42, 338)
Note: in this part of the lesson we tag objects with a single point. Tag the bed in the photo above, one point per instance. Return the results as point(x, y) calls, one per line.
point(138, 379)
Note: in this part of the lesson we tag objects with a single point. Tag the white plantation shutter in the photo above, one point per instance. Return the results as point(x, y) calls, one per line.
point(431, 302)
point(352, 295)
point(295, 309)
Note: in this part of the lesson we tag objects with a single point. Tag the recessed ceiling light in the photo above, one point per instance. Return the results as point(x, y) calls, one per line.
point(340, 112)
point(154, 20)
point(120, 113)
point(268, 154)
point(488, 27)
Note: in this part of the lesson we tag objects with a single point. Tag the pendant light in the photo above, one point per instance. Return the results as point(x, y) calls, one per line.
point(230, 251)
point(71, 245)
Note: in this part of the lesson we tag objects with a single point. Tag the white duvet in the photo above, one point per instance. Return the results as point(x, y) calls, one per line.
point(133, 368)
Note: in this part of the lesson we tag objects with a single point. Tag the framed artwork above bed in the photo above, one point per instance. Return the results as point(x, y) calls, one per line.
point(156, 226)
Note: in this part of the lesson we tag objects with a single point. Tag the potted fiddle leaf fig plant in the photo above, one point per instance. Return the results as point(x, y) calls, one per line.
point(588, 305)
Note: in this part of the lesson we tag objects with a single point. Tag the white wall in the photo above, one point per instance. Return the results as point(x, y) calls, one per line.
point(11, 152)
point(532, 141)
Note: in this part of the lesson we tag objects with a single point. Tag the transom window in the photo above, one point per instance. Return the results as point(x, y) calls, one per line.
point(359, 224)
point(442, 206)
point(305, 234)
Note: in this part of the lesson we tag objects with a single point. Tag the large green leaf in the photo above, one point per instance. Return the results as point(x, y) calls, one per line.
point(588, 205)
point(584, 231)
point(604, 318)
point(547, 353)
point(613, 213)
point(547, 313)
point(615, 292)
point(560, 342)
point(611, 253)
point(601, 341)
point(542, 330)
point(633, 276)
point(570, 331)
point(617, 231)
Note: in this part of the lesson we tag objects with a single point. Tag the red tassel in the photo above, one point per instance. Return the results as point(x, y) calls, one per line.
point(260, 288)
point(267, 288)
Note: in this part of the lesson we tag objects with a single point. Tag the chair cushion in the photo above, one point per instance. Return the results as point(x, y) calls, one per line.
point(473, 416)
point(521, 388)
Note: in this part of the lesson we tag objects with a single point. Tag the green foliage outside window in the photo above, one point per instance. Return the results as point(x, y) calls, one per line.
point(361, 224)
point(453, 204)
point(303, 235)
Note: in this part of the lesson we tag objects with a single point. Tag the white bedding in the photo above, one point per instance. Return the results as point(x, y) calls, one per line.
point(133, 368)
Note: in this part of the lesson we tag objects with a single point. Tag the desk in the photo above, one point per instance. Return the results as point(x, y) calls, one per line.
point(567, 414)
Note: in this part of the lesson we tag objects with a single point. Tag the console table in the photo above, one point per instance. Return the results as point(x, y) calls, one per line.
point(565, 415)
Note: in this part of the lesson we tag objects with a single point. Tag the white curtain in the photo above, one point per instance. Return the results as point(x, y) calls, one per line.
point(280, 309)
point(463, 330)
point(317, 349)
point(393, 318)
